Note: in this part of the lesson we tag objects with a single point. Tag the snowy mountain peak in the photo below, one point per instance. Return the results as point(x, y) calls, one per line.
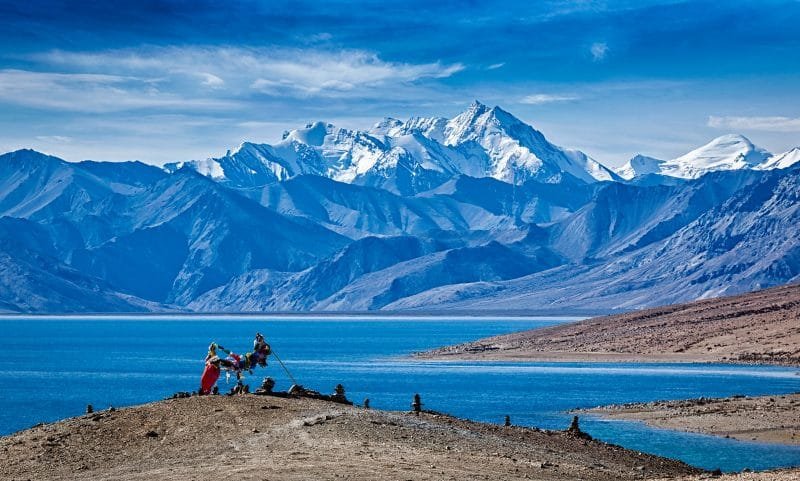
point(516, 151)
point(727, 152)
point(313, 134)
point(782, 161)
point(481, 141)
point(640, 165)
point(386, 126)
point(475, 122)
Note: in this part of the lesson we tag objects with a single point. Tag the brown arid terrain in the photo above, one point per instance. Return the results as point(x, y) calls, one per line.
point(772, 419)
point(251, 437)
point(761, 327)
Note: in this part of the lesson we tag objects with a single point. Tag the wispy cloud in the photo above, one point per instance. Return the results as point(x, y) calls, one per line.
point(538, 99)
point(271, 71)
point(771, 124)
point(496, 66)
point(98, 93)
point(599, 50)
point(59, 139)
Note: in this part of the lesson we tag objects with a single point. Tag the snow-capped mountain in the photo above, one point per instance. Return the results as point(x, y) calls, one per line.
point(494, 143)
point(781, 161)
point(475, 212)
point(728, 152)
point(408, 157)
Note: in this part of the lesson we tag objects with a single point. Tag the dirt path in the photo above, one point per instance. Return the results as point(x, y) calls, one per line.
point(254, 437)
point(774, 419)
point(761, 327)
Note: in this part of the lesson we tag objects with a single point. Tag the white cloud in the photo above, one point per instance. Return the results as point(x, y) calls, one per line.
point(97, 93)
point(771, 124)
point(539, 99)
point(271, 71)
point(211, 80)
point(59, 139)
point(496, 66)
point(599, 50)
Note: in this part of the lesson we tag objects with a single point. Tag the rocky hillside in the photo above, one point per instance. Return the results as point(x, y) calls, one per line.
point(760, 327)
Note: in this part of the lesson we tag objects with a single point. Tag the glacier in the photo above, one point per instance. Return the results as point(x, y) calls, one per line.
point(478, 212)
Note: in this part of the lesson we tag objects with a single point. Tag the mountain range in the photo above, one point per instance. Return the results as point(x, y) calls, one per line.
point(479, 212)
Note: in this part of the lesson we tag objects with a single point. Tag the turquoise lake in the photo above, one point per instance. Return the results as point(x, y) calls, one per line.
point(52, 368)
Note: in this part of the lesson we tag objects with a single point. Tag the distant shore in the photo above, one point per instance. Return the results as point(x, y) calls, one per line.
point(754, 328)
point(771, 419)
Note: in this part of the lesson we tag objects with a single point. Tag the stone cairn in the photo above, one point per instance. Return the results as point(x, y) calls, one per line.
point(338, 394)
point(507, 421)
point(575, 430)
point(416, 405)
point(266, 386)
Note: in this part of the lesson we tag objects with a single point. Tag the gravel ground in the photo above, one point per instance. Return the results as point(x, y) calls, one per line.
point(264, 438)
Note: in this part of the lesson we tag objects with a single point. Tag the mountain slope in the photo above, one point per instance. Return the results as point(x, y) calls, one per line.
point(33, 280)
point(186, 235)
point(746, 242)
point(754, 327)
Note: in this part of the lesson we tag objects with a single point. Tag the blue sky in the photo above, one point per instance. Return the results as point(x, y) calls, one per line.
point(176, 80)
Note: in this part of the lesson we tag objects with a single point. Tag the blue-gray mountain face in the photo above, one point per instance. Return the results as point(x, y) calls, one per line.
point(478, 212)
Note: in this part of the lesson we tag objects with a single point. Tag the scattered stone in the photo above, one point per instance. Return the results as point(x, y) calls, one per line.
point(239, 388)
point(151, 434)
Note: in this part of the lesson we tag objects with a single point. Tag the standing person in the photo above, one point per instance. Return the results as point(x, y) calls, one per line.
point(211, 371)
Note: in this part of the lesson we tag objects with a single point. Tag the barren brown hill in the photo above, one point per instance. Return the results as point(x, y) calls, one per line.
point(257, 438)
point(758, 327)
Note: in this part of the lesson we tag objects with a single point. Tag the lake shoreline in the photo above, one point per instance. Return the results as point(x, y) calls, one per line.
point(768, 419)
point(491, 355)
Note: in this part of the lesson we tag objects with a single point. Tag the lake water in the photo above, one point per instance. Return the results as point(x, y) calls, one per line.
point(53, 368)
